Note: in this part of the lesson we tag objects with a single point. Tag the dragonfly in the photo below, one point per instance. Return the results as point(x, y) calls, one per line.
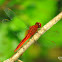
point(32, 30)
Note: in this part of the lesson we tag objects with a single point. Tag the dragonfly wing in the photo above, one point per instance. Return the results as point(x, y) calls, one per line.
point(9, 13)
point(5, 20)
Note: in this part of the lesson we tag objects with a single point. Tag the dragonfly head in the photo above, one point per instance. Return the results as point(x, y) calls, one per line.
point(39, 24)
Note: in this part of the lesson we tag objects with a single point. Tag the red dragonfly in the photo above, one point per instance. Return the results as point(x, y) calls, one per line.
point(32, 30)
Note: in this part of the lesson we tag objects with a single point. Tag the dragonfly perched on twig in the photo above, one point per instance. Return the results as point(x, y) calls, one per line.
point(31, 30)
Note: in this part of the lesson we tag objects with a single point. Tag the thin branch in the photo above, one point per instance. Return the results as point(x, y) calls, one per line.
point(19, 60)
point(35, 37)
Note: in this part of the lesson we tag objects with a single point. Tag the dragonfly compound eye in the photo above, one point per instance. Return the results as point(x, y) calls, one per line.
point(39, 24)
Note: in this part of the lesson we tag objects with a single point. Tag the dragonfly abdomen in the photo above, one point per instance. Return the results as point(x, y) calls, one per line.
point(22, 42)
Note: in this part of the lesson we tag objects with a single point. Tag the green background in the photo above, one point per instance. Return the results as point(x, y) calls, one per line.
point(15, 18)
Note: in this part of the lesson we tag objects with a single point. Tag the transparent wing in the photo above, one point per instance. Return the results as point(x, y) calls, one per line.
point(5, 20)
point(9, 13)
point(49, 39)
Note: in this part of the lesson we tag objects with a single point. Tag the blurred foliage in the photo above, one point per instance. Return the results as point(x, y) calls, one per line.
point(15, 18)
